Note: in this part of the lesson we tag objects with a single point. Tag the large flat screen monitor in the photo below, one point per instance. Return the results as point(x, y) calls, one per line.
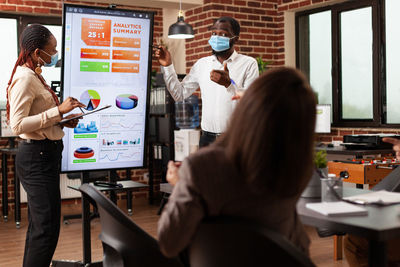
point(106, 61)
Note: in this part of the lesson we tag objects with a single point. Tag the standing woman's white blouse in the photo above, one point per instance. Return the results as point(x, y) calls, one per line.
point(33, 111)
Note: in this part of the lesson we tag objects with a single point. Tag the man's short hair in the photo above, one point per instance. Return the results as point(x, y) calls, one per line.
point(234, 24)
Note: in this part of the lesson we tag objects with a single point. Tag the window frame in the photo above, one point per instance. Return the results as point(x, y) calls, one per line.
point(378, 59)
point(24, 20)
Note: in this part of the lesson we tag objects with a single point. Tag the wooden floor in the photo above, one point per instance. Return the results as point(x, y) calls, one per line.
point(70, 247)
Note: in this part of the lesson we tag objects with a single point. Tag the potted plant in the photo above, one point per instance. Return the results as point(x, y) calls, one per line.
point(262, 65)
point(321, 163)
point(313, 188)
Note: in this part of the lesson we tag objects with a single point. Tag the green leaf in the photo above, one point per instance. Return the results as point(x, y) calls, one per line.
point(262, 65)
point(320, 160)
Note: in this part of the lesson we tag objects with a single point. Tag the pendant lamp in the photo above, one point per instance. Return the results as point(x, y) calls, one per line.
point(180, 29)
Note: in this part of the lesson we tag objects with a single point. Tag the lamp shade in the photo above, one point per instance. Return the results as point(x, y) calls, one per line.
point(180, 30)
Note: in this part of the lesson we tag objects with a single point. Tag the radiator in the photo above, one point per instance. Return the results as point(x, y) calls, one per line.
point(65, 191)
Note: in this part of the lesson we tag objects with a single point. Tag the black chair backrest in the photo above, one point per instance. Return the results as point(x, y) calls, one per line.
point(124, 242)
point(233, 242)
point(390, 183)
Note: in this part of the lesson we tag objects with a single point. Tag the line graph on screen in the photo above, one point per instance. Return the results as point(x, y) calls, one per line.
point(127, 155)
point(122, 123)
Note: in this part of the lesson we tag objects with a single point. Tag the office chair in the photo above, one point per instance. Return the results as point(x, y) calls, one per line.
point(124, 242)
point(233, 242)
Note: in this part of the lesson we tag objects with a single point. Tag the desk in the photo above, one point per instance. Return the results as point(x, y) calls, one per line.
point(4, 153)
point(86, 236)
point(381, 224)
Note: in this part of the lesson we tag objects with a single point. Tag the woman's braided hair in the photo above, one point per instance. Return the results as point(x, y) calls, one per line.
point(34, 36)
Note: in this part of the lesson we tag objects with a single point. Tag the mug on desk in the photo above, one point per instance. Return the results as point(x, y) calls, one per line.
point(331, 189)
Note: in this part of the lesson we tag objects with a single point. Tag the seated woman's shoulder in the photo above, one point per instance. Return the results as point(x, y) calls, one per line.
point(210, 155)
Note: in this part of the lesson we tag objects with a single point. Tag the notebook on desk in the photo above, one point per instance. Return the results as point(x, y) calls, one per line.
point(381, 197)
point(337, 209)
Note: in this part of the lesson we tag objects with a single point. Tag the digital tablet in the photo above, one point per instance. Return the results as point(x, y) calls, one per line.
point(84, 114)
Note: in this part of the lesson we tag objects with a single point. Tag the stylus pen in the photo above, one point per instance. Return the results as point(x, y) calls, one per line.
point(81, 110)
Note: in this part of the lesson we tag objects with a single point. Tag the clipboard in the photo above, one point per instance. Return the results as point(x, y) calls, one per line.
point(84, 114)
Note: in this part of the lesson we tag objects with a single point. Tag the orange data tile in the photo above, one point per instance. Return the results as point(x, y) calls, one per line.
point(126, 55)
point(96, 32)
point(126, 42)
point(125, 67)
point(95, 53)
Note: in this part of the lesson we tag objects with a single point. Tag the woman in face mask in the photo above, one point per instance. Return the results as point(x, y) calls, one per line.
point(34, 113)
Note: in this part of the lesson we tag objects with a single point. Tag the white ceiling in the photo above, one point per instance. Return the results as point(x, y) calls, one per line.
point(170, 4)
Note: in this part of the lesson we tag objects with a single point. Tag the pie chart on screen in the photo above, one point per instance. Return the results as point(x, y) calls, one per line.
point(91, 99)
point(126, 101)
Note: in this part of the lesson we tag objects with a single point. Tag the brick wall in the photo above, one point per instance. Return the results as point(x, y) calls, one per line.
point(262, 34)
point(261, 21)
point(54, 8)
point(294, 4)
point(261, 29)
point(336, 133)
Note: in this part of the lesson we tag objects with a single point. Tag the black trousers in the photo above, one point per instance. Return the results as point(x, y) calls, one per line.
point(38, 168)
point(207, 138)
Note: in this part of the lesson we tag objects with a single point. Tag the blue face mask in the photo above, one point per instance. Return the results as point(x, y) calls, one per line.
point(54, 59)
point(219, 43)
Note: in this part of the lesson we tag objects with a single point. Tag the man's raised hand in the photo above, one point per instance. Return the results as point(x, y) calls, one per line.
point(221, 76)
point(162, 55)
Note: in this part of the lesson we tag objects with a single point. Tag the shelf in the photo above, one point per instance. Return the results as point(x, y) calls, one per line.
point(161, 135)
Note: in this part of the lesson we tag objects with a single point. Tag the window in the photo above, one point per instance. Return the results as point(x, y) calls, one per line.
point(8, 53)
point(356, 63)
point(349, 51)
point(54, 73)
point(392, 61)
point(12, 26)
point(316, 58)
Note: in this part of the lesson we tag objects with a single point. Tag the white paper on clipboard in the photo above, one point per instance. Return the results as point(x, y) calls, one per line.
point(84, 114)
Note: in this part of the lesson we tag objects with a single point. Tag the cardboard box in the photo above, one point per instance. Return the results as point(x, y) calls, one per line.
point(186, 142)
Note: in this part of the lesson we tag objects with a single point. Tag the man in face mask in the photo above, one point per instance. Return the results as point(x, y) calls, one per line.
point(221, 77)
